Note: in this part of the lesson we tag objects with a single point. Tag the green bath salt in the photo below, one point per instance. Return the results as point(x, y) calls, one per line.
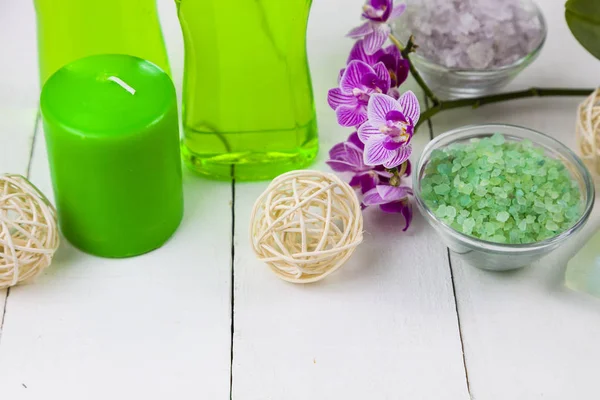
point(501, 190)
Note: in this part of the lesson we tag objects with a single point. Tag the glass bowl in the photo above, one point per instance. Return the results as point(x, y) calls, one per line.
point(452, 83)
point(498, 256)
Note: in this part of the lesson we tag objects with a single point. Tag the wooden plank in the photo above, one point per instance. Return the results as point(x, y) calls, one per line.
point(153, 327)
point(18, 93)
point(383, 327)
point(525, 335)
point(18, 85)
point(388, 316)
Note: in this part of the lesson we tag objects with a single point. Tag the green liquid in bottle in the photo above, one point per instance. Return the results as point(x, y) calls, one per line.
point(248, 110)
point(72, 29)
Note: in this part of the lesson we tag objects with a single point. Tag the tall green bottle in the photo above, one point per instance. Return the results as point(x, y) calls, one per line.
point(73, 29)
point(248, 109)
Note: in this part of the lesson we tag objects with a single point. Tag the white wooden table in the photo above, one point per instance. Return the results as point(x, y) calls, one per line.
point(200, 318)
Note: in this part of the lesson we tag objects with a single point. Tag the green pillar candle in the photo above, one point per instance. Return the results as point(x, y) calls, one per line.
point(111, 130)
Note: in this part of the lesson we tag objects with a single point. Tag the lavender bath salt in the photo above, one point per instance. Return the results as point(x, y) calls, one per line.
point(473, 34)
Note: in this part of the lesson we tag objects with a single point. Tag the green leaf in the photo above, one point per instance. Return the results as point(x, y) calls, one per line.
point(583, 18)
point(590, 8)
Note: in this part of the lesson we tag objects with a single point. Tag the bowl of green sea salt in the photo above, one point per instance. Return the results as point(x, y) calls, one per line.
point(502, 196)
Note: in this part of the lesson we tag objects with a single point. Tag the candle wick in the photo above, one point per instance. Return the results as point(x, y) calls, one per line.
point(121, 83)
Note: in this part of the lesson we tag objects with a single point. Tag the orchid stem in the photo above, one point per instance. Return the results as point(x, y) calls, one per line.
point(475, 102)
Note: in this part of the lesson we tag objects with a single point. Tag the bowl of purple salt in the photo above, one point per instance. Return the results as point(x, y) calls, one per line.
point(502, 196)
point(470, 48)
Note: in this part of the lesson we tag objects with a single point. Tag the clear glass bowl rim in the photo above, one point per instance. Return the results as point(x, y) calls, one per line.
point(466, 132)
point(487, 72)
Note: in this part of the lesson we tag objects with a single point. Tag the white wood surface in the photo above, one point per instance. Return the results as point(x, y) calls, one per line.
point(392, 324)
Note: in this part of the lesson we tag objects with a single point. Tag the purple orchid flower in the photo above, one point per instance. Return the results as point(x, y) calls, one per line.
point(390, 56)
point(358, 53)
point(389, 128)
point(376, 30)
point(396, 65)
point(391, 199)
point(358, 82)
point(348, 157)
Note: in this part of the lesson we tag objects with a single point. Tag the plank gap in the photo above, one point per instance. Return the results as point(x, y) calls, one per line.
point(4, 313)
point(27, 170)
point(232, 280)
point(460, 335)
point(31, 152)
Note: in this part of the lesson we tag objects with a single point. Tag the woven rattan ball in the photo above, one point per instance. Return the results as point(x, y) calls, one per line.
point(28, 230)
point(588, 132)
point(306, 225)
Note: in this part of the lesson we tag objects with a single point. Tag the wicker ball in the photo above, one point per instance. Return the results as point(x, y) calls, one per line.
point(306, 225)
point(28, 230)
point(588, 132)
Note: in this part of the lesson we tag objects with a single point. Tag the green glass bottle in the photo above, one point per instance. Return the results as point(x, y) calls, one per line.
point(248, 109)
point(72, 29)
